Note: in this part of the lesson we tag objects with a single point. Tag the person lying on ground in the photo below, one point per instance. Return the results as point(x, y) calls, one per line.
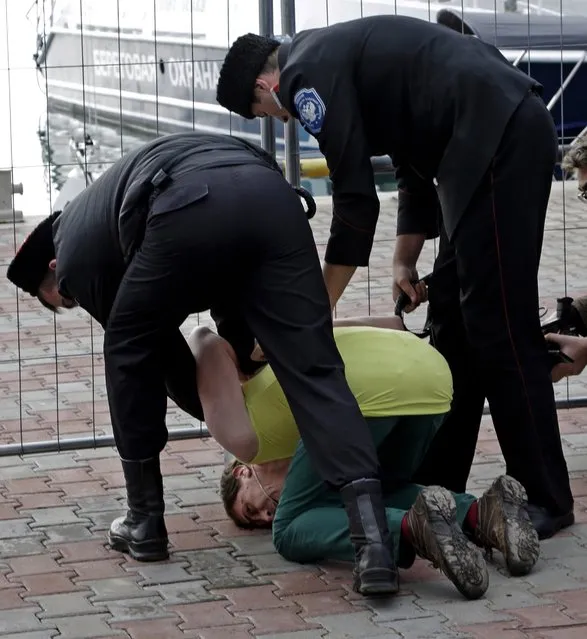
point(404, 388)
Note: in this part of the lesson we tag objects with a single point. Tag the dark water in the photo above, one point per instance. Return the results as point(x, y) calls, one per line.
point(71, 147)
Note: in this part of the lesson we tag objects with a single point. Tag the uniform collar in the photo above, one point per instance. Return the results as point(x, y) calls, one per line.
point(283, 53)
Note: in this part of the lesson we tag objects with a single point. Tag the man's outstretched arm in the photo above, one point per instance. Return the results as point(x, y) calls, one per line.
point(219, 388)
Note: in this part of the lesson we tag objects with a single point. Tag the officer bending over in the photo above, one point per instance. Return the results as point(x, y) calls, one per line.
point(183, 224)
point(460, 124)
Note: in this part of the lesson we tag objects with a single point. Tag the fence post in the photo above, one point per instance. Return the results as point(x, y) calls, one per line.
point(292, 147)
point(266, 29)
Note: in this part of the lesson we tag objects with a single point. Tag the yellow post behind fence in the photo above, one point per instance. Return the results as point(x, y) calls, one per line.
point(317, 168)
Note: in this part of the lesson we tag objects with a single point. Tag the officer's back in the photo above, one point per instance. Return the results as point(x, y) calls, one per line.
point(90, 227)
point(127, 181)
point(99, 230)
point(416, 75)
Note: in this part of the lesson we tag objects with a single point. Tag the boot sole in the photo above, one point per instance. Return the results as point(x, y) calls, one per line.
point(143, 551)
point(520, 539)
point(377, 581)
point(460, 560)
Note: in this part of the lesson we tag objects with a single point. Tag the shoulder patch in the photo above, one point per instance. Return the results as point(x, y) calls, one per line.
point(311, 109)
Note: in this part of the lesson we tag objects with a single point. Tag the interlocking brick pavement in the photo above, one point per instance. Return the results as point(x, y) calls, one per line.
point(58, 577)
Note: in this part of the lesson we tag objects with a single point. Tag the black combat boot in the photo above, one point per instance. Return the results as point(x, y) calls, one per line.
point(142, 532)
point(375, 572)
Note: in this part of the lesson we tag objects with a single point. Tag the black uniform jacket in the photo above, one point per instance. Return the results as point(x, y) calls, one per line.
point(434, 100)
point(98, 232)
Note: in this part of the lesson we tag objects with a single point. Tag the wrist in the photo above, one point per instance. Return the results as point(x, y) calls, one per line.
point(404, 263)
point(399, 262)
point(336, 278)
point(407, 250)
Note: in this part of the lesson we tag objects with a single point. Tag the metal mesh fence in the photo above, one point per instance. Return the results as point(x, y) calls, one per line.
point(85, 81)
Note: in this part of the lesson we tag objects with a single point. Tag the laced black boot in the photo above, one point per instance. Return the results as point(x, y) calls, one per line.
point(142, 532)
point(375, 572)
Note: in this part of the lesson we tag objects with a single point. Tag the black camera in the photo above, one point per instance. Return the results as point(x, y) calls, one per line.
point(565, 321)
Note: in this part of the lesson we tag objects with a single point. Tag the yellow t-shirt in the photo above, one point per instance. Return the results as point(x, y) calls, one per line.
point(390, 373)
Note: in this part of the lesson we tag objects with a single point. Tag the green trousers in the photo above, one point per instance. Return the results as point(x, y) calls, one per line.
point(311, 524)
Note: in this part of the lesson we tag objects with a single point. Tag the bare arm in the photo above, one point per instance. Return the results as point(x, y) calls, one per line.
point(336, 278)
point(219, 387)
point(393, 322)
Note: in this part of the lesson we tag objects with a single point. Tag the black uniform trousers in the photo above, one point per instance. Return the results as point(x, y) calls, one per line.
point(485, 321)
point(246, 246)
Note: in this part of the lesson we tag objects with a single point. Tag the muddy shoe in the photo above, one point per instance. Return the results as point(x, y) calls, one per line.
point(437, 536)
point(503, 523)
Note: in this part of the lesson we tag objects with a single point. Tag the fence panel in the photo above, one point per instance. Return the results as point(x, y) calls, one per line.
point(85, 81)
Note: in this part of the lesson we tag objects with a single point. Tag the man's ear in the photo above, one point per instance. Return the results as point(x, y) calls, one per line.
point(241, 471)
point(262, 84)
point(53, 264)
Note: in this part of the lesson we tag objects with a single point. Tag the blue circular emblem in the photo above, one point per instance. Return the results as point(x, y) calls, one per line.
point(311, 109)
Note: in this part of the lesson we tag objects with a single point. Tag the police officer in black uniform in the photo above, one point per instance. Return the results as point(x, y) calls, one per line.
point(186, 223)
point(474, 147)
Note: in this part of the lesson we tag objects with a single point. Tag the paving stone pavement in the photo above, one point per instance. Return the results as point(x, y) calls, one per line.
point(58, 578)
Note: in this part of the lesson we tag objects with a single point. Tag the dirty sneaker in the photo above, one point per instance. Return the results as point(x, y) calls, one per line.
point(503, 523)
point(437, 536)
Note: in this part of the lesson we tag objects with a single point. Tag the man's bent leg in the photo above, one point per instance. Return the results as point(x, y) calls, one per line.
point(322, 532)
point(429, 527)
point(498, 245)
point(401, 452)
point(405, 497)
point(498, 520)
point(310, 524)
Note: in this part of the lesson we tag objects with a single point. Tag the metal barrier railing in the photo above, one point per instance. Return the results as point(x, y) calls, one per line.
point(295, 168)
point(84, 443)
